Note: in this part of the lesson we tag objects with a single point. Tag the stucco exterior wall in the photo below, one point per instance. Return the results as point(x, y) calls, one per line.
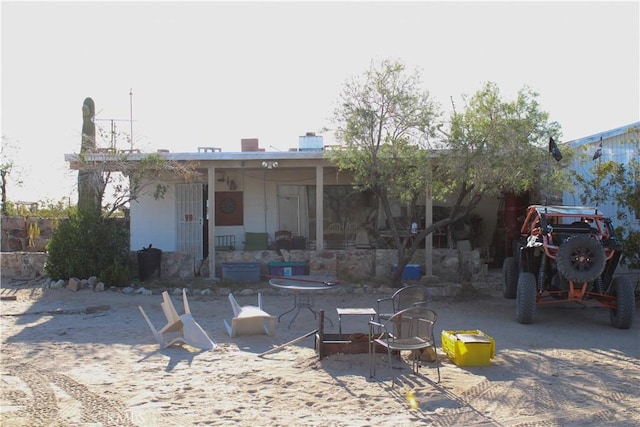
point(154, 222)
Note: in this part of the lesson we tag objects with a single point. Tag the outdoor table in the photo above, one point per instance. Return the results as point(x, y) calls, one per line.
point(303, 288)
point(371, 312)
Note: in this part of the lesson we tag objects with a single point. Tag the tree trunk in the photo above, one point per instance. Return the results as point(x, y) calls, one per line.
point(3, 188)
point(464, 266)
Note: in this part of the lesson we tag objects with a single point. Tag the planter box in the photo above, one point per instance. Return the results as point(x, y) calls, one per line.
point(344, 344)
point(299, 242)
point(468, 348)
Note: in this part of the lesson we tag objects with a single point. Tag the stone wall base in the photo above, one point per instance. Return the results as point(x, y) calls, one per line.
point(351, 265)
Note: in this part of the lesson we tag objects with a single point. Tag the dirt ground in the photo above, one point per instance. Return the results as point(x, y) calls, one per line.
point(88, 359)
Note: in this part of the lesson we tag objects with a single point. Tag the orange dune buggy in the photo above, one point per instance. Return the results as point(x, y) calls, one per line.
point(567, 254)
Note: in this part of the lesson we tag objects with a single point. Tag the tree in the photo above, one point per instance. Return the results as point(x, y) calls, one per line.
point(9, 171)
point(618, 183)
point(496, 146)
point(388, 126)
point(129, 176)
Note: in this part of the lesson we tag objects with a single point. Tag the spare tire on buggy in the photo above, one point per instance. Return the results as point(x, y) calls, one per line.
point(581, 259)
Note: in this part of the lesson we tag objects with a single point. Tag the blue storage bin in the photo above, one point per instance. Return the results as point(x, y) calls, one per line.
point(241, 271)
point(410, 272)
point(290, 268)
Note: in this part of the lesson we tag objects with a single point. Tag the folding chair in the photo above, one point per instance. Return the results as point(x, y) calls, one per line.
point(187, 329)
point(249, 319)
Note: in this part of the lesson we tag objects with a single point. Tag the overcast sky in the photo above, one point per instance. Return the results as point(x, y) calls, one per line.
point(211, 73)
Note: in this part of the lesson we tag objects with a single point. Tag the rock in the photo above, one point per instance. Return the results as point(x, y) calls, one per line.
point(223, 291)
point(74, 284)
point(99, 287)
point(57, 285)
point(450, 263)
point(128, 290)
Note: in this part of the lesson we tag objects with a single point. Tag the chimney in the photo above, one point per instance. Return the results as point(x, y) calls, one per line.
point(250, 144)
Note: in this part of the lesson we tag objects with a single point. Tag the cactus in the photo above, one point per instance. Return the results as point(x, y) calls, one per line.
point(34, 233)
point(89, 181)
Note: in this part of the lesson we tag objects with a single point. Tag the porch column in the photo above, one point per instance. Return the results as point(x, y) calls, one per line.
point(428, 241)
point(211, 213)
point(319, 208)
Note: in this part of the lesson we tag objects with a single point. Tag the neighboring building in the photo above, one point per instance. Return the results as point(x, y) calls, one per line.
point(619, 144)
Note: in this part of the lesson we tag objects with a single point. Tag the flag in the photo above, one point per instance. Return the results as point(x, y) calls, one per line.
point(554, 150)
point(598, 152)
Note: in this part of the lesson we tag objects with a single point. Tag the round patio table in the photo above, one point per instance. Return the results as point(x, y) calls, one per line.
point(303, 288)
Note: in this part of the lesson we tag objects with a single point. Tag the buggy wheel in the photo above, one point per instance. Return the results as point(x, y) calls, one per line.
point(622, 316)
point(581, 259)
point(510, 278)
point(526, 298)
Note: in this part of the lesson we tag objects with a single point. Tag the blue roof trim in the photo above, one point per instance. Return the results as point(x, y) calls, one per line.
point(604, 135)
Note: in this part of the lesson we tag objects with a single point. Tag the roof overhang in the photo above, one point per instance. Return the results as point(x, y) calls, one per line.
point(253, 159)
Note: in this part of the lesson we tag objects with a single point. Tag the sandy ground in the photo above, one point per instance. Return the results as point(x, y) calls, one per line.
point(75, 367)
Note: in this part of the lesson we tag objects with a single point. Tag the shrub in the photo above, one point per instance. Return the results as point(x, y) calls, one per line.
point(85, 245)
point(631, 250)
point(115, 275)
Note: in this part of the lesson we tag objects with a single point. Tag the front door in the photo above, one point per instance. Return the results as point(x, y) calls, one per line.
point(289, 214)
point(189, 211)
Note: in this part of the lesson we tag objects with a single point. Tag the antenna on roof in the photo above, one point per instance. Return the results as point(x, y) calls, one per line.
point(131, 115)
point(113, 131)
point(113, 123)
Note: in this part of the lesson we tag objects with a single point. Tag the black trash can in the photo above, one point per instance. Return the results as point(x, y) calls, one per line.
point(148, 262)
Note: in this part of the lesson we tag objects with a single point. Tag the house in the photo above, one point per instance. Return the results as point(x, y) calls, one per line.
point(244, 201)
point(619, 144)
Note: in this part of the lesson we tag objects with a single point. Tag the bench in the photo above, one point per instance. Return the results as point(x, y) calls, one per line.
point(226, 243)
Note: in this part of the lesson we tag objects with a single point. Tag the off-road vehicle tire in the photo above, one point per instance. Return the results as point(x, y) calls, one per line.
point(581, 259)
point(622, 316)
point(510, 278)
point(526, 298)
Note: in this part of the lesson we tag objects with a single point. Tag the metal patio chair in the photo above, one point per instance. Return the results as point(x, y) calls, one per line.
point(405, 297)
point(410, 329)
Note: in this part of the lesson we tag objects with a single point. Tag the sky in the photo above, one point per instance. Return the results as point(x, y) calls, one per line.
point(211, 73)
